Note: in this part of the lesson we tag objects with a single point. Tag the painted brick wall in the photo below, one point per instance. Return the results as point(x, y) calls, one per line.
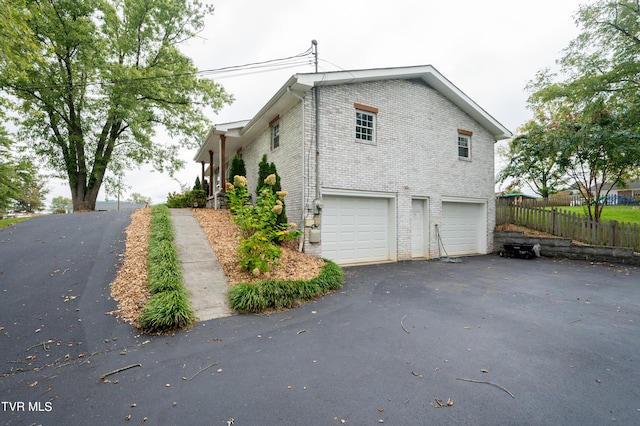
point(287, 158)
point(415, 154)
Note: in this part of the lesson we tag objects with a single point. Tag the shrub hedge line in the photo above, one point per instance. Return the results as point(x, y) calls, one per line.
point(169, 307)
point(272, 294)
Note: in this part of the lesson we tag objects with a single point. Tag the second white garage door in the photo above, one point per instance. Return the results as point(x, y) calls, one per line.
point(463, 228)
point(355, 229)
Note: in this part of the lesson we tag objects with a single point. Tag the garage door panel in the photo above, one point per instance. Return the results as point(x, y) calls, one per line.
point(355, 229)
point(463, 226)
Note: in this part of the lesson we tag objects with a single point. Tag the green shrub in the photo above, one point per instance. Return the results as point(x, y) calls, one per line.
point(176, 200)
point(169, 307)
point(188, 199)
point(167, 311)
point(264, 170)
point(164, 267)
point(196, 196)
point(261, 232)
point(237, 168)
point(272, 294)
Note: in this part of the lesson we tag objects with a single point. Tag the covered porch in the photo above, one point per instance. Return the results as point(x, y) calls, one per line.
point(214, 155)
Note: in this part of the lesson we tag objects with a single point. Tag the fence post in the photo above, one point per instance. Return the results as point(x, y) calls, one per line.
point(614, 233)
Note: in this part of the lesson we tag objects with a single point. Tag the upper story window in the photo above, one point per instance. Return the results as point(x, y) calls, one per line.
point(365, 123)
point(275, 132)
point(464, 144)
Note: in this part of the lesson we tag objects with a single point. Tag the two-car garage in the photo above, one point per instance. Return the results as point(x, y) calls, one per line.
point(360, 229)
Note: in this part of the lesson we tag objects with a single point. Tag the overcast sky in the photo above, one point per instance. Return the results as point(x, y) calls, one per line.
point(489, 49)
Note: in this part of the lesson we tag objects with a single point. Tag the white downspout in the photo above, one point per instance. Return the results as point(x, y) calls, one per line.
point(302, 101)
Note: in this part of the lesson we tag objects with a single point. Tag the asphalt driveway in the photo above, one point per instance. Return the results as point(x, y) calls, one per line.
point(562, 337)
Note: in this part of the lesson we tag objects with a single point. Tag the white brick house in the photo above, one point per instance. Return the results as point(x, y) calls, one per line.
point(378, 163)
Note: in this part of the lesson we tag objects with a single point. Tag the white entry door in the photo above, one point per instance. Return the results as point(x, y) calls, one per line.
point(419, 228)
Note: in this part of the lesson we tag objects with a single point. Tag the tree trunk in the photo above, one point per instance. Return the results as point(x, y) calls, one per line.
point(84, 199)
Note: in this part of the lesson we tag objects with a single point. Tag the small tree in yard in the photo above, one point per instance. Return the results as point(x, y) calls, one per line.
point(264, 170)
point(59, 204)
point(237, 168)
point(197, 185)
point(277, 188)
point(137, 198)
point(259, 225)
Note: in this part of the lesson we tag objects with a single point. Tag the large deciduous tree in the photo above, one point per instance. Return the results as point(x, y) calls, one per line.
point(8, 173)
point(92, 80)
point(533, 159)
point(31, 187)
point(597, 91)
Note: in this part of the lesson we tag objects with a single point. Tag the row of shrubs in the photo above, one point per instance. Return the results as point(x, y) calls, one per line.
point(193, 198)
point(261, 235)
point(273, 294)
point(169, 307)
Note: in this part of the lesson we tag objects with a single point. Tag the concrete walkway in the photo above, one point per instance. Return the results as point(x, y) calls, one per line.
point(203, 275)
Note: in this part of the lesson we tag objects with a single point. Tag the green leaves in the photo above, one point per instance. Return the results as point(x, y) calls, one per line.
point(93, 81)
point(258, 223)
point(272, 294)
point(169, 308)
point(591, 104)
point(533, 159)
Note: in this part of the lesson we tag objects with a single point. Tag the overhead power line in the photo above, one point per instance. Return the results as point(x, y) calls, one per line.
point(303, 58)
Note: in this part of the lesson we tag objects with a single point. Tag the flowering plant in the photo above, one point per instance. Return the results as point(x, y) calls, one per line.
point(261, 232)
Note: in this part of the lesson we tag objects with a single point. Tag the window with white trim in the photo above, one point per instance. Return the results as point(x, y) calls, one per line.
point(464, 144)
point(365, 123)
point(275, 134)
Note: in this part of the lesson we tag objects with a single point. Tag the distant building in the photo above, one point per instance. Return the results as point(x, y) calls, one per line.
point(515, 198)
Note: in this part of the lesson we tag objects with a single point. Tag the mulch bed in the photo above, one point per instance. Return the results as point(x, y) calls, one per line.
point(224, 237)
point(130, 288)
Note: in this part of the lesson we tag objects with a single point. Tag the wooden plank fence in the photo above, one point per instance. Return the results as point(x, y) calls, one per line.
point(571, 225)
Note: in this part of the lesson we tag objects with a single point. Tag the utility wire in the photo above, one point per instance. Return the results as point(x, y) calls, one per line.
point(281, 63)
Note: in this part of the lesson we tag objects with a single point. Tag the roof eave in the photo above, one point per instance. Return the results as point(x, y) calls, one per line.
point(299, 84)
point(288, 95)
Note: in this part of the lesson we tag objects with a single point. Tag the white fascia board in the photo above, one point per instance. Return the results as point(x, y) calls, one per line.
point(300, 84)
point(278, 104)
point(465, 103)
point(203, 151)
point(427, 73)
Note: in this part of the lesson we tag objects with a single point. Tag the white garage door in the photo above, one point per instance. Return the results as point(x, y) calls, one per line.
point(355, 229)
point(463, 228)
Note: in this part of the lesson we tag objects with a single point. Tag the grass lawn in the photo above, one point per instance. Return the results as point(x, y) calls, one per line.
point(11, 221)
point(627, 214)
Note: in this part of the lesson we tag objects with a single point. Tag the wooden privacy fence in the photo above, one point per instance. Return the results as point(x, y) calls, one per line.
point(571, 225)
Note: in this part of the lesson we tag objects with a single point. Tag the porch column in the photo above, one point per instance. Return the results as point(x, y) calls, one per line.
point(211, 183)
point(202, 176)
point(223, 178)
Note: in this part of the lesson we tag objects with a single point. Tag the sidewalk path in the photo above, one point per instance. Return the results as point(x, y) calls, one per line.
point(203, 275)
